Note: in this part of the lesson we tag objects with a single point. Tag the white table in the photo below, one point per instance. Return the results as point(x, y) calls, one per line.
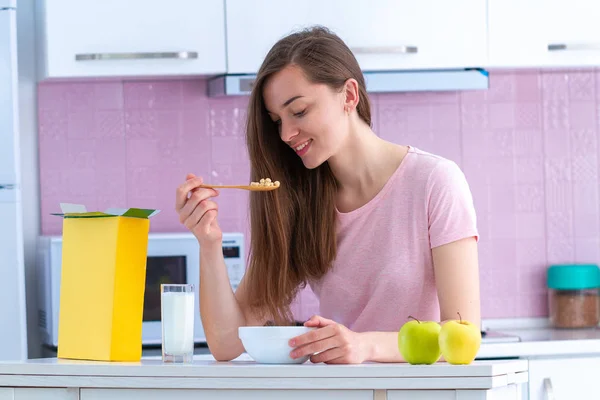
point(150, 379)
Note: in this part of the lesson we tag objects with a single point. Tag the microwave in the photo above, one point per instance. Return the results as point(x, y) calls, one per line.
point(171, 258)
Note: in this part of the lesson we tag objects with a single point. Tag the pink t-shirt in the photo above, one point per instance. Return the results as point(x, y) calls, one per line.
point(384, 270)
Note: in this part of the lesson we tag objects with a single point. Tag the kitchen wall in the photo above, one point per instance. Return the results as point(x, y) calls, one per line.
point(528, 145)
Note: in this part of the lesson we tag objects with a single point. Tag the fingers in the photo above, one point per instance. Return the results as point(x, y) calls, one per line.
point(314, 336)
point(316, 347)
point(198, 196)
point(196, 216)
point(190, 185)
point(313, 321)
point(181, 194)
point(184, 205)
point(331, 356)
point(207, 222)
point(317, 320)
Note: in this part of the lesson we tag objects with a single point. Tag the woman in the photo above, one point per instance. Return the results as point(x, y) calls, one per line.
point(378, 230)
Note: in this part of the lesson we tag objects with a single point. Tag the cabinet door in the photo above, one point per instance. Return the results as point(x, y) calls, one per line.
point(516, 37)
point(90, 38)
point(46, 394)
point(383, 34)
point(572, 33)
point(510, 392)
point(544, 33)
point(565, 378)
point(423, 394)
point(210, 394)
point(7, 394)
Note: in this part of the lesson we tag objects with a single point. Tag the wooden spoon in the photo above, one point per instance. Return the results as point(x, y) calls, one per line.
point(253, 188)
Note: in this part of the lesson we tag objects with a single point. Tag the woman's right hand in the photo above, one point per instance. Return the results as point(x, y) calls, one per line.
point(196, 212)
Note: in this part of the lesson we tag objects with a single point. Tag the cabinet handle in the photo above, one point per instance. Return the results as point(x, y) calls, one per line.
point(573, 46)
point(548, 389)
point(8, 186)
point(178, 55)
point(385, 50)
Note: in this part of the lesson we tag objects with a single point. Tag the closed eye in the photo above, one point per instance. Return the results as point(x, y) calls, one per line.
point(297, 115)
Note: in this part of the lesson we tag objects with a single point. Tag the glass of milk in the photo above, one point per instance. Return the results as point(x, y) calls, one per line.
point(177, 318)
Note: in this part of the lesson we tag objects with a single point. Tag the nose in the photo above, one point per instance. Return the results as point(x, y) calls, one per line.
point(288, 131)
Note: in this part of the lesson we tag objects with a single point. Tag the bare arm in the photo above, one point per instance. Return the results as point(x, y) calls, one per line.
point(222, 311)
point(456, 268)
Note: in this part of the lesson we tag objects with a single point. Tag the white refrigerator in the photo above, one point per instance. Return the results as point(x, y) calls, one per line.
point(13, 330)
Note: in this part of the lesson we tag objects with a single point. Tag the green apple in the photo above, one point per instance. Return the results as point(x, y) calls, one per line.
point(418, 341)
point(459, 341)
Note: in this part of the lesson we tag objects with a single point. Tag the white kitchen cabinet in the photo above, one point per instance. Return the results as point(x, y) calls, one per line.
point(383, 34)
point(544, 33)
point(207, 379)
point(46, 394)
point(116, 38)
point(564, 378)
point(9, 143)
point(220, 394)
point(511, 392)
point(39, 394)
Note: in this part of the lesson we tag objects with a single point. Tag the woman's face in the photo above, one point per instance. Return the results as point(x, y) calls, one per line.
point(310, 117)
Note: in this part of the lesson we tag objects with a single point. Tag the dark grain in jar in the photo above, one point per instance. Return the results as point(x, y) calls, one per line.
point(574, 309)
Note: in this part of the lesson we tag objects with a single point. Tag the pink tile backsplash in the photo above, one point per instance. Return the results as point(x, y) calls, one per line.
point(528, 145)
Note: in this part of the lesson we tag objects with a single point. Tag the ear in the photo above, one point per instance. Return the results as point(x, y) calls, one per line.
point(351, 96)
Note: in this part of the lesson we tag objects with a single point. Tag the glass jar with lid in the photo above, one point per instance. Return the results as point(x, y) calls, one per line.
point(574, 295)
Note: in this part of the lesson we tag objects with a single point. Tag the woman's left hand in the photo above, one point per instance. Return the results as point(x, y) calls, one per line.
point(334, 343)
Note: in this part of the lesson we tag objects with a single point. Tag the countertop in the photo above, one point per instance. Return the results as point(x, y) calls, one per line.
point(534, 342)
point(544, 342)
point(242, 372)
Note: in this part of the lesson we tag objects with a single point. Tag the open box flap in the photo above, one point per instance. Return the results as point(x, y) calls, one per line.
point(70, 210)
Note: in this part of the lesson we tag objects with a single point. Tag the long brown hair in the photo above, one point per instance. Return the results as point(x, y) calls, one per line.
point(293, 238)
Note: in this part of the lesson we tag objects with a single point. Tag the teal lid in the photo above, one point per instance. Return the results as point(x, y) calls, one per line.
point(573, 276)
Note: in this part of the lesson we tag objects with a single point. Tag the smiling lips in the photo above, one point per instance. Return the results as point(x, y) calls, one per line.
point(302, 148)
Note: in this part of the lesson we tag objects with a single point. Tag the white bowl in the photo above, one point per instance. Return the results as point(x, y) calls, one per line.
point(269, 344)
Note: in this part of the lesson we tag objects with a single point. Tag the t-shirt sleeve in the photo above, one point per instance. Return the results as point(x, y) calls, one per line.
point(450, 205)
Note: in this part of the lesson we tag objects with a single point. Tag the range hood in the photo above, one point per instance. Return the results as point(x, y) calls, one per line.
point(377, 82)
